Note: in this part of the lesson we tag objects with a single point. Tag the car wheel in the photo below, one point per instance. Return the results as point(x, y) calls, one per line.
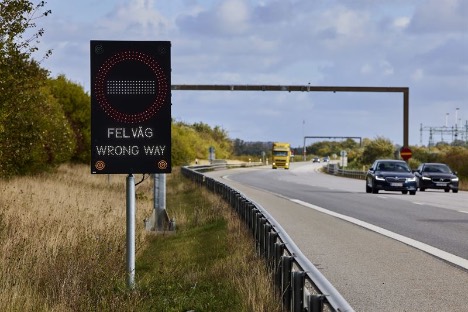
point(374, 189)
point(412, 192)
point(446, 190)
point(422, 189)
point(404, 192)
point(455, 191)
point(368, 189)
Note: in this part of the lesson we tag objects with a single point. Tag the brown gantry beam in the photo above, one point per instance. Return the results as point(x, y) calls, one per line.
point(308, 88)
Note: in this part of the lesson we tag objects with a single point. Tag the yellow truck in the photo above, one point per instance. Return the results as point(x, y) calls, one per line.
point(280, 155)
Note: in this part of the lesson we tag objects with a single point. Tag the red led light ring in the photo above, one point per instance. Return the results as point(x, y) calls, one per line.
point(99, 87)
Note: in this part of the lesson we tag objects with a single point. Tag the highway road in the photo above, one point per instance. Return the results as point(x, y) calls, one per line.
point(382, 252)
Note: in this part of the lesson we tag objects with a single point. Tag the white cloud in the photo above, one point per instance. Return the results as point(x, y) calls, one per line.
point(435, 16)
point(232, 17)
point(401, 22)
point(134, 17)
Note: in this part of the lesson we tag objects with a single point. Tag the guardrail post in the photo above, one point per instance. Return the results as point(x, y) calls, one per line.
point(232, 198)
point(261, 236)
point(253, 219)
point(238, 201)
point(297, 291)
point(316, 303)
point(266, 238)
point(243, 213)
point(248, 214)
point(279, 251)
point(241, 205)
point(272, 237)
point(286, 269)
point(255, 215)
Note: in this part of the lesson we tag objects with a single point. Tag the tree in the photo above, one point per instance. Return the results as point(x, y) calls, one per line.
point(34, 133)
point(193, 141)
point(378, 148)
point(76, 105)
point(16, 17)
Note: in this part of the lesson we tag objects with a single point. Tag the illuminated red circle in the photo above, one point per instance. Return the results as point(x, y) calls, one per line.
point(101, 78)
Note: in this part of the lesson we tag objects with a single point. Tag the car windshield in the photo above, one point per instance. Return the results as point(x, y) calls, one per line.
point(393, 166)
point(437, 168)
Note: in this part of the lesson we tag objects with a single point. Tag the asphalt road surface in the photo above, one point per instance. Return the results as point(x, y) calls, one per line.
point(382, 252)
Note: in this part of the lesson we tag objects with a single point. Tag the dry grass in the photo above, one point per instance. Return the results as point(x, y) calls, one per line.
point(62, 239)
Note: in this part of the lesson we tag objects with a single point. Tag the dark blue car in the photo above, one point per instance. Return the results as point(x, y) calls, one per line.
point(390, 175)
point(436, 176)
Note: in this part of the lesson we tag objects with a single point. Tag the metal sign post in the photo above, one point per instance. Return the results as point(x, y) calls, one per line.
point(130, 231)
point(159, 201)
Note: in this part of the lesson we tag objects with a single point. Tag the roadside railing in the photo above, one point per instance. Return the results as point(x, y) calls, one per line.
point(300, 284)
point(334, 169)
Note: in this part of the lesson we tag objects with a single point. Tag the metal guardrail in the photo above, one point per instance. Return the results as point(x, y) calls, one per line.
point(335, 170)
point(301, 285)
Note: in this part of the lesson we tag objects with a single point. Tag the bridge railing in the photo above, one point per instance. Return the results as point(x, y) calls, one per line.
point(301, 285)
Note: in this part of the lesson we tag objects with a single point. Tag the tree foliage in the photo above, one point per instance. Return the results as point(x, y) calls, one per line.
point(378, 148)
point(327, 148)
point(16, 17)
point(242, 148)
point(76, 105)
point(34, 133)
point(190, 142)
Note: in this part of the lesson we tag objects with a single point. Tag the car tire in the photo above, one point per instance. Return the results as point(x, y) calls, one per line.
point(446, 190)
point(412, 192)
point(368, 189)
point(374, 189)
point(404, 192)
point(455, 191)
point(422, 189)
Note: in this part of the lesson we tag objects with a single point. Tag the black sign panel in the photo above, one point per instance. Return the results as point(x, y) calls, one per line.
point(130, 107)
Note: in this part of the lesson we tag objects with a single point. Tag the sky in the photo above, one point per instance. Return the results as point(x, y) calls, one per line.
point(419, 44)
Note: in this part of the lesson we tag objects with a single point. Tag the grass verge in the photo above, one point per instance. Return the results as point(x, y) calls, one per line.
point(62, 238)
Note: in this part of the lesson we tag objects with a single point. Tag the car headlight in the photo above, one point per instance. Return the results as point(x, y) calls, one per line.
point(413, 179)
point(426, 178)
point(379, 178)
point(455, 179)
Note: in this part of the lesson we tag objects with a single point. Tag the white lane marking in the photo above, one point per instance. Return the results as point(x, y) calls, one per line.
point(414, 243)
point(418, 203)
point(462, 211)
